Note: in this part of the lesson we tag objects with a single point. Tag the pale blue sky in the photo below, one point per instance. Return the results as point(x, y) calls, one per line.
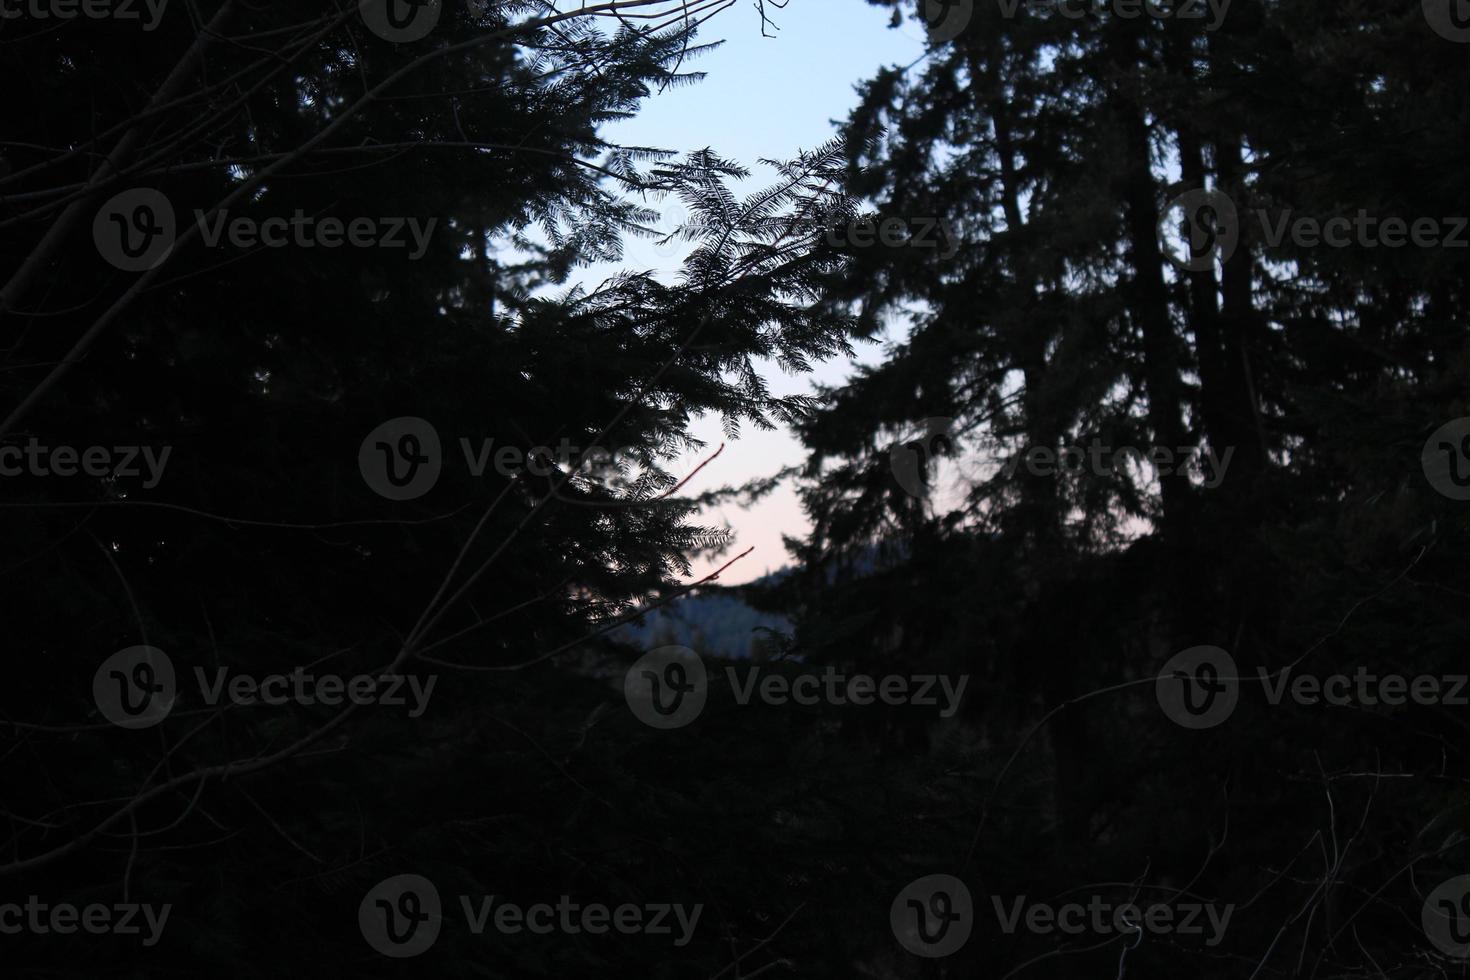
point(766, 97)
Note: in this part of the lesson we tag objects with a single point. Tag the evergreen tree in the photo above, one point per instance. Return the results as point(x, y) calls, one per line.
point(1055, 147)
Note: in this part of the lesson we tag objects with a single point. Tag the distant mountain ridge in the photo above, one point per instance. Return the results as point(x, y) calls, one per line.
point(715, 623)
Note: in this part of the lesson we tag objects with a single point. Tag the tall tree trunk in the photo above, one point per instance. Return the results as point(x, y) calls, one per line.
point(1042, 522)
point(1148, 304)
